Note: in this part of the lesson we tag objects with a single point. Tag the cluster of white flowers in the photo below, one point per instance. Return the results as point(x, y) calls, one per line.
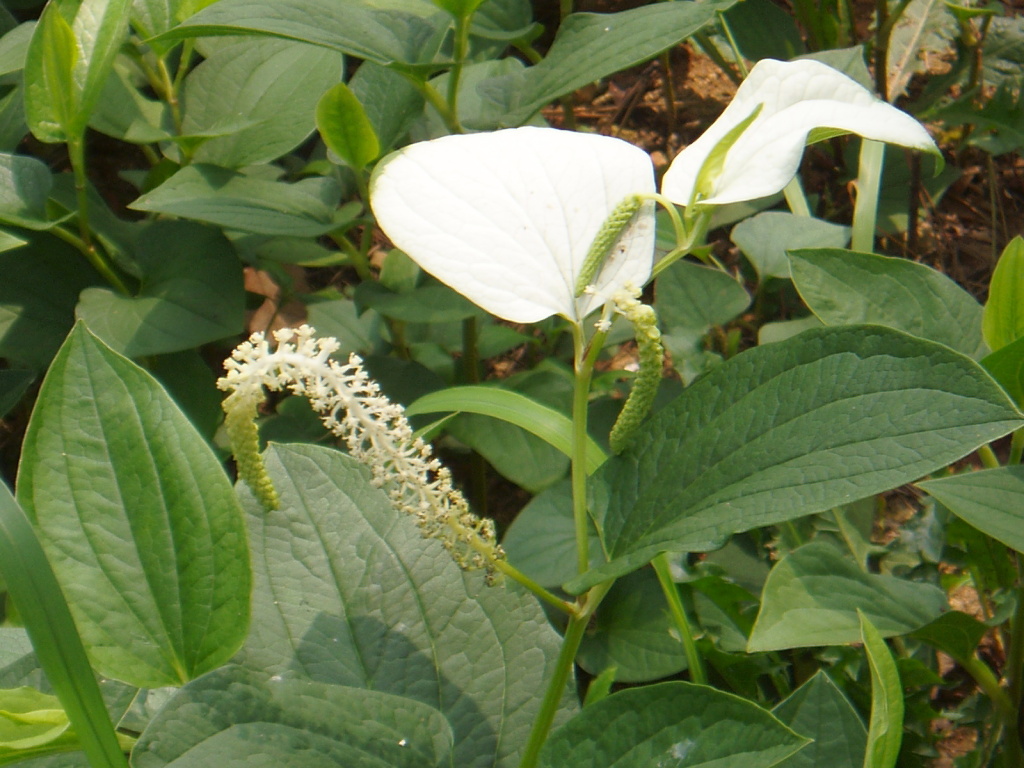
point(374, 429)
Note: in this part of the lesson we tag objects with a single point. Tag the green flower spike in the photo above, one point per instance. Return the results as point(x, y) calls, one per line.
point(651, 355)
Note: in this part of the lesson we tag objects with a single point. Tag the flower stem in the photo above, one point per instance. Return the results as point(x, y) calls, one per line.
point(546, 595)
point(461, 47)
point(585, 359)
point(675, 606)
point(563, 668)
point(865, 209)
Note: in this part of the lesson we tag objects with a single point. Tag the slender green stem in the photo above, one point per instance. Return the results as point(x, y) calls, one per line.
point(869, 181)
point(356, 257)
point(546, 595)
point(678, 612)
point(471, 375)
point(585, 359)
point(988, 457)
point(695, 228)
point(76, 153)
point(740, 63)
point(438, 102)
point(668, 92)
point(565, 8)
point(1016, 447)
point(795, 198)
point(1014, 674)
point(169, 92)
point(988, 683)
point(560, 677)
point(460, 51)
point(704, 42)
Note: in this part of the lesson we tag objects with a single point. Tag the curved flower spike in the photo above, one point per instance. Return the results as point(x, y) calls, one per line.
point(795, 98)
point(507, 218)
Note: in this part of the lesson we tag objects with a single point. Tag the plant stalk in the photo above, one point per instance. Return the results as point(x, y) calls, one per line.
point(678, 612)
point(865, 209)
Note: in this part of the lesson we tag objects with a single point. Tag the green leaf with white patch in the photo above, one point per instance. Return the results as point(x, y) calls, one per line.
point(813, 595)
point(846, 288)
point(789, 429)
point(678, 724)
point(112, 471)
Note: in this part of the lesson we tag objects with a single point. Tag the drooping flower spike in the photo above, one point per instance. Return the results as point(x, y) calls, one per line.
point(791, 103)
point(508, 218)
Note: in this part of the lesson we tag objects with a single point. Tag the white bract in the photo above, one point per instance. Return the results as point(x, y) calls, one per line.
point(795, 98)
point(507, 218)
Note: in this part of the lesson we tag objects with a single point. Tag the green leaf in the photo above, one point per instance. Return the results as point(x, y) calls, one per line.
point(391, 102)
point(32, 586)
point(239, 717)
point(405, 32)
point(846, 288)
point(541, 542)
point(885, 733)
point(348, 592)
point(1004, 311)
point(24, 186)
point(671, 724)
point(113, 472)
point(14, 382)
point(819, 710)
point(40, 287)
point(235, 201)
point(763, 30)
point(536, 418)
point(459, 8)
point(69, 59)
point(51, 95)
point(191, 294)
point(633, 632)
point(432, 303)
point(345, 127)
point(274, 83)
point(694, 297)
point(992, 500)
point(814, 594)
point(765, 238)
point(789, 429)
point(29, 718)
point(1006, 365)
point(955, 633)
point(590, 46)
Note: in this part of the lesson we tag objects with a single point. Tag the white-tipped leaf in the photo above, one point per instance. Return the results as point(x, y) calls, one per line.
point(507, 218)
point(797, 97)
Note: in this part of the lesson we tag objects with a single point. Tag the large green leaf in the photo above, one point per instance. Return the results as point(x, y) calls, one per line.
point(138, 518)
point(991, 500)
point(1004, 310)
point(240, 717)
point(694, 297)
point(846, 287)
point(819, 710)
point(191, 294)
point(69, 58)
point(671, 724)
point(348, 592)
point(401, 32)
point(235, 201)
point(813, 595)
point(274, 83)
point(788, 429)
point(1006, 365)
point(590, 46)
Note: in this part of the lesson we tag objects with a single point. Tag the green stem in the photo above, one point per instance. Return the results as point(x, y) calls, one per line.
point(1016, 447)
point(565, 8)
point(988, 457)
point(471, 375)
point(438, 102)
point(546, 595)
point(1014, 674)
point(585, 359)
point(796, 199)
point(675, 607)
point(559, 679)
point(865, 209)
point(76, 153)
point(740, 64)
point(668, 92)
point(357, 258)
point(704, 42)
point(460, 50)
point(988, 683)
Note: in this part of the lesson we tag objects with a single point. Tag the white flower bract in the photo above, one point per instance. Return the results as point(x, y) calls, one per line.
point(796, 97)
